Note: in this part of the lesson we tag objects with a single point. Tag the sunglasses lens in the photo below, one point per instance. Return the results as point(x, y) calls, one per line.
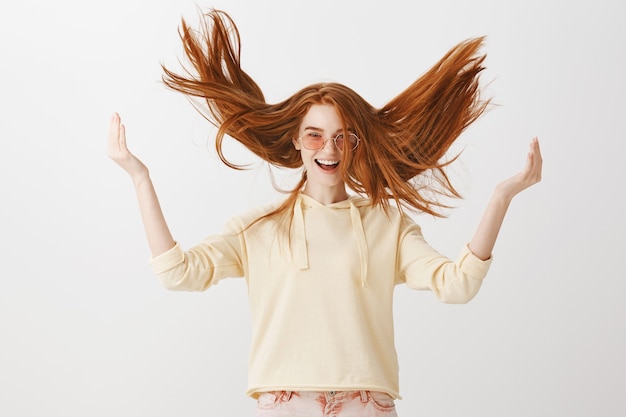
point(351, 143)
point(312, 141)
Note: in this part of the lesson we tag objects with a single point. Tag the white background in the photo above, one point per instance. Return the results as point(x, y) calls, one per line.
point(86, 329)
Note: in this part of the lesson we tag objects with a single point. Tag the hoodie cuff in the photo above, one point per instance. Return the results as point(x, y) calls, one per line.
point(167, 260)
point(472, 265)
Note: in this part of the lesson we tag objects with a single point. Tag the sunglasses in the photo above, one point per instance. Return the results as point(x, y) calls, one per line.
point(315, 141)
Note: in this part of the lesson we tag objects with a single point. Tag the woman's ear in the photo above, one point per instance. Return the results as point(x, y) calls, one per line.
point(296, 143)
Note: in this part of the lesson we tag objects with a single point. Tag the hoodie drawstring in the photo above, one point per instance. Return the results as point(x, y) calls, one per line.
point(359, 235)
point(300, 252)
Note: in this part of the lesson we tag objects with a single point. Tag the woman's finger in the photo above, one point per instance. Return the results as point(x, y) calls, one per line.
point(114, 131)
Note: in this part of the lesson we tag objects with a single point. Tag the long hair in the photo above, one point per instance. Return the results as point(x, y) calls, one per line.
point(400, 157)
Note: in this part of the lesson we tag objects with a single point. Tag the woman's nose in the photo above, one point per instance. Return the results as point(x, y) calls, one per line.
point(329, 145)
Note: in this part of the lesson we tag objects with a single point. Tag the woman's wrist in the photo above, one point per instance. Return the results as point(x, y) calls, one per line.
point(141, 178)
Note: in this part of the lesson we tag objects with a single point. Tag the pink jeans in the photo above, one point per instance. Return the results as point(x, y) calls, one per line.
point(325, 404)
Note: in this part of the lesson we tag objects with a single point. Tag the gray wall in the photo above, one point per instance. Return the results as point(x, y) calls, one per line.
point(86, 329)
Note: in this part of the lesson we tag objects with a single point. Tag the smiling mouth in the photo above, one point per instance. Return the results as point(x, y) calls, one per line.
point(327, 165)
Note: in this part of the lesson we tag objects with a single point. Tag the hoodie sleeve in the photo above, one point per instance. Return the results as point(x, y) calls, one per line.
point(423, 268)
point(203, 265)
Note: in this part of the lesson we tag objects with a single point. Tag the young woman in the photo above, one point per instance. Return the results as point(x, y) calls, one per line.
point(321, 266)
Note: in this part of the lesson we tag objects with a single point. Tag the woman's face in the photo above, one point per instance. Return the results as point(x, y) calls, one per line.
point(324, 180)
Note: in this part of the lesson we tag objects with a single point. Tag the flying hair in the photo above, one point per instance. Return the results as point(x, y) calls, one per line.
point(403, 144)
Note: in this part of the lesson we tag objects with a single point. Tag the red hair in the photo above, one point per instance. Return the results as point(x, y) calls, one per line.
point(400, 156)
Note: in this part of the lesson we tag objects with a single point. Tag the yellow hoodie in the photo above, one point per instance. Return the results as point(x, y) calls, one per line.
point(321, 305)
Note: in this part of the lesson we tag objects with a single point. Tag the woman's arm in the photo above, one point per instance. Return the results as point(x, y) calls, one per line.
point(158, 234)
point(485, 237)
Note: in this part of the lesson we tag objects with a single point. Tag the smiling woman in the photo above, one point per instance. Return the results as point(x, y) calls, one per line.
point(313, 350)
point(322, 157)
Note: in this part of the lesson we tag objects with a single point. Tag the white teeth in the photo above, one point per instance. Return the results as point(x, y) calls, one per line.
point(327, 162)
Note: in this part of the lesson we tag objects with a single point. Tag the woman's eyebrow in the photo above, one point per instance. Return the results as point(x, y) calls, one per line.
point(319, 129)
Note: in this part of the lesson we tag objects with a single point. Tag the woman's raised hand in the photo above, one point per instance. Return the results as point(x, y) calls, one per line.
point(530, 175)
point(484, 239)
point(158, 234)
point(118, 151)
